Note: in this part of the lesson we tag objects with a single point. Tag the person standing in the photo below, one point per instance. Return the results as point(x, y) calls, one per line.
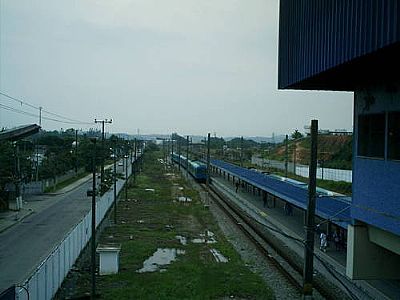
point(336, 240)
point(323, 242)
point(265, 199)
point(237, 186)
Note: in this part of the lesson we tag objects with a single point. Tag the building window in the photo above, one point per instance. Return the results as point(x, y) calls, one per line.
point(371, 135)
point(394, 135)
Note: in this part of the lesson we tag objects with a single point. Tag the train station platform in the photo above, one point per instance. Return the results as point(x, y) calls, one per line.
point(292, 225)
point(329, 206)
point(273, 213)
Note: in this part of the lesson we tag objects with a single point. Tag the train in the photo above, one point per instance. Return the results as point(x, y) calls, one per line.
point(197, 169)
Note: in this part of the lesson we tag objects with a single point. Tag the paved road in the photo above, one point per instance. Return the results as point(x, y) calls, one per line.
point(26, 244)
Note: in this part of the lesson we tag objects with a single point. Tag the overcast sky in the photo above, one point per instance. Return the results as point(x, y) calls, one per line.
point(190, 66)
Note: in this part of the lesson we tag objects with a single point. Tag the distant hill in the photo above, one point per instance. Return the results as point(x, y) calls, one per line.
point(198, 138)
point(261, 139)
point(247, 143)
point(334, 150)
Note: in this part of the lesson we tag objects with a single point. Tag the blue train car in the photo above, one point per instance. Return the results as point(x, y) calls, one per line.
point(196, 168)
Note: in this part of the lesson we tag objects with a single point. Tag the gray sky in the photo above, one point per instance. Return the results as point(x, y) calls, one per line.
point(191, 66)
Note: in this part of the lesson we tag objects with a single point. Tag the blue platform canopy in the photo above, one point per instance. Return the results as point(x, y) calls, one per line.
point(334, 208)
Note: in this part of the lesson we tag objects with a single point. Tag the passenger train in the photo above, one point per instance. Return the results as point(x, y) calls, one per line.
point(196, 168)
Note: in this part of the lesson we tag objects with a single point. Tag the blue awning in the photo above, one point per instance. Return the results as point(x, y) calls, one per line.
point(336, 209)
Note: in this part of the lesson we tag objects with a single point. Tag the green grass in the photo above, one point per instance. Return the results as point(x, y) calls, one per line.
point(195, 274)
point(65, 183)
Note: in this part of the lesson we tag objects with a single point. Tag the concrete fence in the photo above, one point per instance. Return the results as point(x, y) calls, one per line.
point(44, 282)
point(38, 187)
point(302, 170)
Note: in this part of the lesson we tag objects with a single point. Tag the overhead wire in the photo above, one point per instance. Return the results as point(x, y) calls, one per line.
point(20, 111)
point(9, 108)
point(67, 120)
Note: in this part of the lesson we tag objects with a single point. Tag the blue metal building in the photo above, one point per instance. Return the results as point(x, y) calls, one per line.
point(354, 45)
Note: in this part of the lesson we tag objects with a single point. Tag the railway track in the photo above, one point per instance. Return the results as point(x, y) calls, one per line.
point(276, 257)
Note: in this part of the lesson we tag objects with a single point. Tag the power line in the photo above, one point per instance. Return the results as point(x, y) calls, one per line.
point(19, 100)
point(20, 111)
point(67, 120)
point(9, 108)
point(73, 121)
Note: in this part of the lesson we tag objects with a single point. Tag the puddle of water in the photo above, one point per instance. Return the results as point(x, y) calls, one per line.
point(160, 258)
point(184, 199)
point(182, 239)
point(169, 227)
point(210, 238)
point(150, 190)
point(218, 256)
point(203, 240)
point(210, 233)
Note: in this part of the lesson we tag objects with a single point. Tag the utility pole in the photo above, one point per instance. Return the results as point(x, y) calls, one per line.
point(208, 161)
point(179, 153)
point(286, 155)
point(187, 156)
point(93, 250)
point(163, 150)
point(103, 122)
point(17, 175)
point(126, 177)
point(135, 157)
point(241, 151)
point(310, 227)
point(76, 151)
point(168, 147)
point(115, 183)
point(322, 169)
point(40, 116)
point(294, 157)
point(130, 159)
point(37, 161)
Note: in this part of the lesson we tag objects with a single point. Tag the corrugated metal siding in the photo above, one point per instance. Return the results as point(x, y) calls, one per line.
point(317, 35)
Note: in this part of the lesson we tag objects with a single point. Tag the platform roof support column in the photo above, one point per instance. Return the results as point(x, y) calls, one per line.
point(309, 245)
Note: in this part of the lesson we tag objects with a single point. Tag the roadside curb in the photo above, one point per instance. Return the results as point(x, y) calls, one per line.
point(16, 222)
point(68, 188)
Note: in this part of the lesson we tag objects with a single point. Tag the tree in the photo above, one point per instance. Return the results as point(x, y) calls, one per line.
point(296, 135)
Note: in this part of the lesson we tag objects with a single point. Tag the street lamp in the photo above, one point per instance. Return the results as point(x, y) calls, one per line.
point(126, 177)
point(93, 252)
point(115, 184)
